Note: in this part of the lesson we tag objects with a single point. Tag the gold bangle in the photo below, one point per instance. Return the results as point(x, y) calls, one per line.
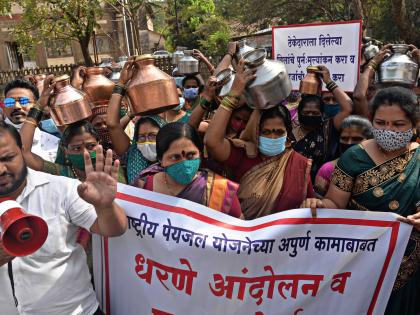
point(31, 122)
point(226, 108)
point(372, 68)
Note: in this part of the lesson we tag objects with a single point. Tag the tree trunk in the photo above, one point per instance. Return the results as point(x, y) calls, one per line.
point(84, 46)
point(406, 29)
point(360, 14)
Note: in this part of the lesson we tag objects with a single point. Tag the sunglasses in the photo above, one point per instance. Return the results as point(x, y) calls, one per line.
point(11, 101)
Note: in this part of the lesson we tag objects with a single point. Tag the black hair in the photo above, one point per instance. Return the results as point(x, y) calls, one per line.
point(405, 98)
point(310, 98)
point(196, 78)
point(359, 122)
point(23, 84)
point(175, 131)
point(140, 122)
point(76, 129)
point(13, 132)
point(281, 112)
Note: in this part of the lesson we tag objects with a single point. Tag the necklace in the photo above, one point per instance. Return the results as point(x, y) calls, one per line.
point(74, 172)
point(167, 185)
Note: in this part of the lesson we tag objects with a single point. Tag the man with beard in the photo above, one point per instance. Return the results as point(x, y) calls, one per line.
point(20, 96)
point(55, 279)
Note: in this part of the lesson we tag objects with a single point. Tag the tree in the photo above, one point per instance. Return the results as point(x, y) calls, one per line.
point(195, 24)
point(64, 20)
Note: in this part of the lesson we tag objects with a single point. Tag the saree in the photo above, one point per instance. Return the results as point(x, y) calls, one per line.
point(391, 186)
point(320, 145)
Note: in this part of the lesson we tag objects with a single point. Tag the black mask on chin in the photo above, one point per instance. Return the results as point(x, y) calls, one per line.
point(345, 146)
point(310, 121)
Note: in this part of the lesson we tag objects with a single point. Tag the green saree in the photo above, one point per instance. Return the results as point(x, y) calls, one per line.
point(392, 186)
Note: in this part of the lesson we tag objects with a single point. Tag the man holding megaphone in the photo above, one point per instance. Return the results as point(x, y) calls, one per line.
point(40, 215)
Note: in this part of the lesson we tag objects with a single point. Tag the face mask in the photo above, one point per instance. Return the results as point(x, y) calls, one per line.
point(343, 147)
point(237, 125)
point(310, 121)
point(148, 150)
point(392, 140)
point(331, 110)
point(49, 126)
point(9, 122)
point(190, 94)
point(272, 147)
point(78, 161)
point(183, 172)
point(181, 104)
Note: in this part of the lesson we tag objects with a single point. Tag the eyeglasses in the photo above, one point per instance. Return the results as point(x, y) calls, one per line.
point(149, 137)
point(11, 101)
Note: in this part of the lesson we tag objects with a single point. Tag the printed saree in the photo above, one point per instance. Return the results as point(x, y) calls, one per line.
point(391, 186)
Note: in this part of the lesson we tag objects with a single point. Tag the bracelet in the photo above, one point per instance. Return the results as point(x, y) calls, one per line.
point(371, 68)
point(373, 64)
point(118, 89)
point(229, 102)
point(205, 104)
point(31, 122)
point(230, 94)
point(35, 113)
point(331, 86)
point(226, 108)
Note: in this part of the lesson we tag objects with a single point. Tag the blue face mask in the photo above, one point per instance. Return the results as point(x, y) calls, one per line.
point(271, 147)
point(331, 110)
point(183, 172)
point(181, 104)
point(191, 94)
point(49, 126)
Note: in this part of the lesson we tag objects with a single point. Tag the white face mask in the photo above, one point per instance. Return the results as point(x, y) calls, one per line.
point(148, 150)
point(392, 140)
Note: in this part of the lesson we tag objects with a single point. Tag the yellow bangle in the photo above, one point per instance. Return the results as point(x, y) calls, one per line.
point(226, 108)
point(31, 122)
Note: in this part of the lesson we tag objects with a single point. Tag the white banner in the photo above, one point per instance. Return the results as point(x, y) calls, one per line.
point(335, 45)
point(179, 258)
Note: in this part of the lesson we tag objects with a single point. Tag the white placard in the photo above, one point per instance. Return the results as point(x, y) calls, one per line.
point(335, 45)
point(178, 257)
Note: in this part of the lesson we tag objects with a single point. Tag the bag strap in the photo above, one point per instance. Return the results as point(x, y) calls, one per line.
point(12, 282)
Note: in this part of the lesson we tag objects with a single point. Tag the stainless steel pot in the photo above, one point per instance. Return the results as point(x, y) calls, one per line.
point(226, 78)
point(243, 48)
point(370, 50)
point(271, 85)
point(400, 68)
point(188, 64)
point(177, 56)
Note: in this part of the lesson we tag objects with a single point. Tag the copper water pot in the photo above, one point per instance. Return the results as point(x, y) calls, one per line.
point(96, 85)
point(151, 91)
point(68, 104)
point(311, 83)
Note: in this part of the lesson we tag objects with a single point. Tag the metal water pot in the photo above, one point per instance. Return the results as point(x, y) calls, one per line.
point(243, 48)
point(271, 85)
point(400, 68)
point(370, 50)
point(96, 85)
point(177, 56)
point(151, 91)
point(188, 64)
point(68, 104)
point(311, 83)
point(226, 78)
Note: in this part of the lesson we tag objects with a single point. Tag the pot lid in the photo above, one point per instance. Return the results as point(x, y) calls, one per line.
point(61, 78)
point(144, 57)
point(255, 57)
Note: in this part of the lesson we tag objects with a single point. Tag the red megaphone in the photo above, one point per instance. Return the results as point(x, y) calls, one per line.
point(21, 233)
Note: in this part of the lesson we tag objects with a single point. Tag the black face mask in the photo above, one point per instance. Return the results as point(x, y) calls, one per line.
point(345, 146)
point(310, 121)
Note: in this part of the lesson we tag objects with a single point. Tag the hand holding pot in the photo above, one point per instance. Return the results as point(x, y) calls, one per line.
point(384, 53)
point(232, 48)
point(77, 77)
point(210, 89)
point(127, 71)
point(415, 53)
point(324, 74)
point(242, 77)
point(46, 92)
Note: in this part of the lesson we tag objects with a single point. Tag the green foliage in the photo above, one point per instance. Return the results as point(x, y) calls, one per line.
point(199, 26)
point(64, 20)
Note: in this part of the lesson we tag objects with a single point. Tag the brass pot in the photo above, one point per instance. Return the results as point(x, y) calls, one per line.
point(96, 85)
point(68, 104)
point(151, 91)
point(311, 83)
